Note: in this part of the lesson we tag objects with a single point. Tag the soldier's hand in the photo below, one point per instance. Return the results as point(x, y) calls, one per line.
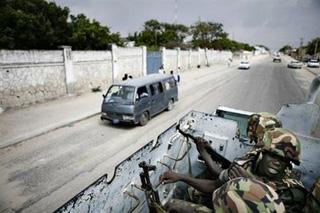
point(202, 145)
point(169, 177)
point(238, 171)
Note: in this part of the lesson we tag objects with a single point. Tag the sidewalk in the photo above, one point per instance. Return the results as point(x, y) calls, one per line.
point(23, 124)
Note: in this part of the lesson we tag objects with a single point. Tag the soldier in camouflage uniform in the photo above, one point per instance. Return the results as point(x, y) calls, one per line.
point(259, 123)
point(246, 195)
point(236, 196)
point(270, 164)
point(313, 199)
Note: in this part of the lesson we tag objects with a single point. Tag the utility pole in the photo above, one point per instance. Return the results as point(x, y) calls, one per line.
point(316, 47)
point(176, 11)
point(300, 48)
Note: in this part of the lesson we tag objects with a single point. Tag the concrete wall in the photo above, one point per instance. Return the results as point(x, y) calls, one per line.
point(184, 60)
point(189, 59)
point(91, 69)
point(28, 77)
point(129, 60)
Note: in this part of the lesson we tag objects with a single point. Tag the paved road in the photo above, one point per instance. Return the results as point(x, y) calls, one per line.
point(39, 175)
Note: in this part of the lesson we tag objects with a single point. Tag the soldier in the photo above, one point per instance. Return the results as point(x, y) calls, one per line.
point(246, 195)
point(270, 164)
point(313, 198)
point(237, 195)
point(258, 123)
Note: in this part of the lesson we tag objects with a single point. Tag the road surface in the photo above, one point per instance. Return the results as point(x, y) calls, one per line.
point(40, 174)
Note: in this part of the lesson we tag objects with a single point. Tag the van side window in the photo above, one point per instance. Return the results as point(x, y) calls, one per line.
point(141, 91)
point(160, 87)
point(156, 88)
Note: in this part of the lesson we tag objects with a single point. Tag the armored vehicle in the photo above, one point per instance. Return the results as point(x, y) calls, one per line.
point(135, 186)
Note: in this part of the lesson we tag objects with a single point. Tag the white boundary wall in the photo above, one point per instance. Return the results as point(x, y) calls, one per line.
point(181, 60)
point(28, 77)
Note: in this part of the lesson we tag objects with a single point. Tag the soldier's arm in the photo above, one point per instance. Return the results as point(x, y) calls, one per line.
point(202, 185)
point(213, 167)
point(203, 146)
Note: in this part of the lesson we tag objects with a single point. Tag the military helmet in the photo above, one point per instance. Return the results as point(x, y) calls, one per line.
point(283, 143)
point(258, 123)
point(246, 195)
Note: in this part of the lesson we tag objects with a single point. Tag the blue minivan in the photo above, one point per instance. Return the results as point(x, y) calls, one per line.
point(137, 100)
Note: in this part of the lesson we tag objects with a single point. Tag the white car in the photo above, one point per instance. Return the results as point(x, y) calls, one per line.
point(313, 63)
point(244, 65)
point(276, 58)
point(295, 65)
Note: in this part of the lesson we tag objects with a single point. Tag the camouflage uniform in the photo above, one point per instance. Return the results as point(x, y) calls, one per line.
point(285, 144)
point(260, 122)
point(176, 205)
point(246, 195)
point(316, 189)
point(313, 201)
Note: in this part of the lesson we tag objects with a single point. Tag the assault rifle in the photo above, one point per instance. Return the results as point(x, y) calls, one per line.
point(152, 195)
point(225, 163)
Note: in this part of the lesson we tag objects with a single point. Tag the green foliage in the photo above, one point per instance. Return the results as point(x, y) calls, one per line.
point(87, 35)
point(227, 44)
point(156, 34)
point(38, 24)
point(313, 46)
point(32, 24)
point(285, 49)
point(204, 33)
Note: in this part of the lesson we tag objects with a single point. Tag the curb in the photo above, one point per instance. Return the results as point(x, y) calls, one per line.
point(312, 71)
point(45, 131)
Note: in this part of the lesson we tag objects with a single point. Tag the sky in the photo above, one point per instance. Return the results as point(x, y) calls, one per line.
point(273, 23)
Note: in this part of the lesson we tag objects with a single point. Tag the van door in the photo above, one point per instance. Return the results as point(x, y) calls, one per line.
point(171, 90)
point(158, 102)
point(143, 102)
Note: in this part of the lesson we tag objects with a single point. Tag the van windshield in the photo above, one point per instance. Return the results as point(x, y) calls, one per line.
point(120, 94)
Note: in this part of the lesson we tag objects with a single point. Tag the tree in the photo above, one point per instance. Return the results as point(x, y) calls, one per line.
point(156, 34)
point(286, 49)
point(32, 24)
point(232, 45)
point(38, 24)
point(204, 33)
point(87, 35)
point(313, 46)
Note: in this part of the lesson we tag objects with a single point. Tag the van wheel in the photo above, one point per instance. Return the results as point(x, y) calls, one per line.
point(170, 105)
point(144, 118)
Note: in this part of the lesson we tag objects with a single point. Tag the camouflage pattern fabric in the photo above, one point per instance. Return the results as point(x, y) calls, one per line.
point(176, 205)
point(313, 201)
point(291, 191)
point(283, 143)
point(260, 122)
point(316, 189)
point(246, 195)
